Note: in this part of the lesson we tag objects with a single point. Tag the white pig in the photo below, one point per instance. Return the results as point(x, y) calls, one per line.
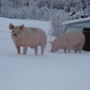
point(68, 41)
point(28, 37)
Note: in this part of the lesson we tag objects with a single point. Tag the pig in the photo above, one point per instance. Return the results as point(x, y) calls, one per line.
point(74, 39)
point(28, 37)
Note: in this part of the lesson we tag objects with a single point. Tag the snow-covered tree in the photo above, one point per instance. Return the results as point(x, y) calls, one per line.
point(57, 19)
point(39, 9)
point(44, 13)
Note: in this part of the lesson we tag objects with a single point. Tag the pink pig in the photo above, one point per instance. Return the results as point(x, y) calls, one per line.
point(71, 40)
point(28, 37)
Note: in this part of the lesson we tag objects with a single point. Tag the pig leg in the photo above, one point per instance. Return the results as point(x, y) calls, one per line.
point(42, 50)
point(80, 51)
point(69, 49)
point(25, 50)
point(36, 50)
point(18, 49)
point(79, 48)
point(75, 50)
point(64, 50)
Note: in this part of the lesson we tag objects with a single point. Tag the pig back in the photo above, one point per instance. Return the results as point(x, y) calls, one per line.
point(33, 36)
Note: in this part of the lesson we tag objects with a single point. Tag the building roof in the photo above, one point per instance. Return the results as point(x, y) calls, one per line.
point(78, 23)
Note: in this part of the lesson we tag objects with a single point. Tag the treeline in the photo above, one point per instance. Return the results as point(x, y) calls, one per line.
point(40, 9)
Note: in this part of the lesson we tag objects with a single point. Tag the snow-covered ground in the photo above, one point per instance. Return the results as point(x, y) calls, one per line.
point(53, 71)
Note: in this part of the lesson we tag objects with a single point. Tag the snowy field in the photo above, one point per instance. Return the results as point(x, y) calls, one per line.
point(53, 71)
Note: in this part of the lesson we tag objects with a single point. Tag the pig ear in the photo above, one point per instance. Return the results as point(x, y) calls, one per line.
point(22, 27)
point(11, 26)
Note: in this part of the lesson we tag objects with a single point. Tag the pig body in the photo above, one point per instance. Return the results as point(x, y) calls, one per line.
point(74, 39)
point(28, 37)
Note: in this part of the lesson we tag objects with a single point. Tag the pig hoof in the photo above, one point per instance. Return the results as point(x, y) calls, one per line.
point(18, 53)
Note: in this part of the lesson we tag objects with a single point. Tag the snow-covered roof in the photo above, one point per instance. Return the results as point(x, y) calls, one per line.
point(76, 21)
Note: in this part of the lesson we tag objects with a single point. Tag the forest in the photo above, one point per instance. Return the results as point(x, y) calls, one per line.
point(40, 9)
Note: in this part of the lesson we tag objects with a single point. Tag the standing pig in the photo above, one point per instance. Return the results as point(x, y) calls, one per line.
point(28, 37)
point(74, 39)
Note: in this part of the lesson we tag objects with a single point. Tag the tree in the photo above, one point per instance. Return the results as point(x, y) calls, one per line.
point(40, 9)
point(56, 21)
point(44, 13)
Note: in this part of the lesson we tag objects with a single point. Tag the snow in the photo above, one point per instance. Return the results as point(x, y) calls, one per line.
point(52, 71)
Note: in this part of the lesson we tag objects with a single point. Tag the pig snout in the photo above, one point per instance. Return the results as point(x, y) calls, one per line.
point(14, 35)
